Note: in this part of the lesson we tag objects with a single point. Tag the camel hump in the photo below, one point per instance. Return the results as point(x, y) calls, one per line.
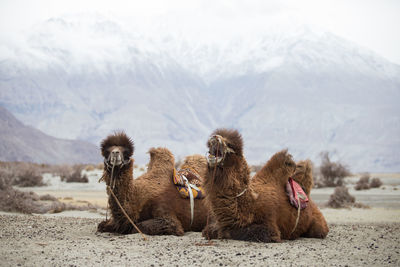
point(303, 175)
point(196, 163)
point(232, 138)
point(160, 158)
point(160, 151)
point(282, 160)
point(119, 139)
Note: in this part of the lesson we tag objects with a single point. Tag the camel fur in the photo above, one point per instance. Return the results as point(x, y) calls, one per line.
point(256, 209)
point(151, 200)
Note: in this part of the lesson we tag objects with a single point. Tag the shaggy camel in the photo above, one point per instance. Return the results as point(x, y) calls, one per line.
point(256, 209)
point(152, 200)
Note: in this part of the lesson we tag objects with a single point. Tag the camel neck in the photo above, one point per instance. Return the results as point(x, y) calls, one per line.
point(227, 190)
point(229, 180)
point(120, 183)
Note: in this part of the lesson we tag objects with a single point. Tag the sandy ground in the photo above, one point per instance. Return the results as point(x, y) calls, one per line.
point(357, 237)
point(32, 240)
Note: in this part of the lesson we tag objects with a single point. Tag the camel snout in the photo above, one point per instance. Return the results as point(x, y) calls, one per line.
point(116, 157)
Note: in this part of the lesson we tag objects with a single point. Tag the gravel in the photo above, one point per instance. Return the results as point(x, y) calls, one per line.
point(36, 240)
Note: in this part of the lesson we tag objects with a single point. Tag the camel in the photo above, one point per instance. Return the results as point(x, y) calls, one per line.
point(256, 209)
point(152, 201)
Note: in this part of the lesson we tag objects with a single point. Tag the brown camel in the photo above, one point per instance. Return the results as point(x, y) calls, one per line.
point(152, 200)
point(256, 209)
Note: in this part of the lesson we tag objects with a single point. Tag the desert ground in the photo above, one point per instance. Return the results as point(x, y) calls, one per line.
point(357, 237)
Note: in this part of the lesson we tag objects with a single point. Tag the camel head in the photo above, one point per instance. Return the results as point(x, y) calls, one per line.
point(283, 162)
point(223, 144)
point(161, 157)
point(117, 149)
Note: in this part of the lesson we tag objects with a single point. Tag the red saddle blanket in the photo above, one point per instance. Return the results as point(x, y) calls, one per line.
point(296, 194)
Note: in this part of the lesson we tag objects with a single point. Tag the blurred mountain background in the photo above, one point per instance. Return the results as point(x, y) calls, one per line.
point(19, 142)
point(80, 77)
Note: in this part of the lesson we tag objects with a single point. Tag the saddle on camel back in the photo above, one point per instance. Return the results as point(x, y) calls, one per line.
point(188, 183)
point(296, 194)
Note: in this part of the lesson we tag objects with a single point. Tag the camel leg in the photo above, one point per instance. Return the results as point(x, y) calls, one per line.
point(119, 225)
point(256, 233)
point(106, 226)
point(161, 226)
point(210, 231)
point(318, 227)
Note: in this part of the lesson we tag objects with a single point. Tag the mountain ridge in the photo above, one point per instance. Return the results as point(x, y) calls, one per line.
point(306, 90)
point(19, 142)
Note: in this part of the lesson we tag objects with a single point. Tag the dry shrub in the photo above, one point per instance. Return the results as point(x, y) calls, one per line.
point(73, 174)
point(363, 183)
point(332, 173)
point(29, 178)
point(5, 179)
point(341, 198)
point(22, 174)
point(12, 200)
point(375, 183)
point(48, 197)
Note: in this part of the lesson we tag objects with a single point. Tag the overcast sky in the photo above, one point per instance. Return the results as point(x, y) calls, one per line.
point(373, 24)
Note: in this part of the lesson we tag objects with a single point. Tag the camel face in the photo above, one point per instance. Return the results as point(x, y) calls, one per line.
point(116, 156)
point(117, 149)
point(218, 149)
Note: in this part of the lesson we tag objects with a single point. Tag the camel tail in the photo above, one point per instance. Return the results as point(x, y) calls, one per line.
point(303, 175)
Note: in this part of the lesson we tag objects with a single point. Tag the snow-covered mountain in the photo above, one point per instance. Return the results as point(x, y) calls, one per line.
point(294, 86)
